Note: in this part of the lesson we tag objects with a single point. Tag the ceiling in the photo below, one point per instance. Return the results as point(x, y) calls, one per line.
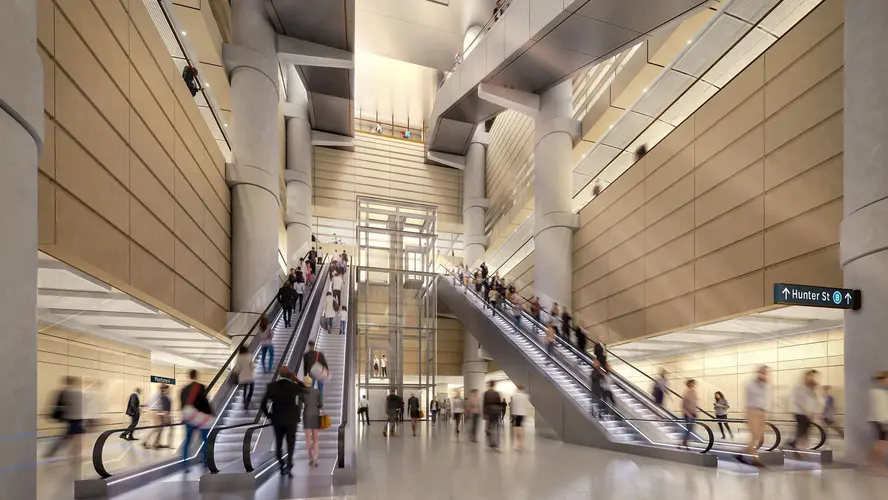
point(72, 300)
point(780, 322)
point(393, 90)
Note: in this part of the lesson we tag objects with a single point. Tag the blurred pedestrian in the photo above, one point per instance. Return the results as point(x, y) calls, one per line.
point(600, 351)
point(375, 366)
point(520, 409)
point(536, 309)
point(829, 412)
point(581, 337)
point(68, 409)
point(392, 403)
point(661, 385)
point(878, 400)
point(244, 371)
point(473, 412)
point(413, 410)
point(492, 409)
point(550, 338)
point(266, 344)
point(756, 408)
point(689, 410)
point(804, 404)
point(434, 408)
point(197, 415)
point(458, 410)
point(565, 323)
point(284, 394)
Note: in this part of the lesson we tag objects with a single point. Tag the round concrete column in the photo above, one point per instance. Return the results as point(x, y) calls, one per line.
point(21, 142)
point(864, 234)
point(474, 245)
point(299, 170)
point(553, 252)
point(255, 149)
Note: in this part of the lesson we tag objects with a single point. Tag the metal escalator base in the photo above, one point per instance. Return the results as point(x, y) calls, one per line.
point(568, 420)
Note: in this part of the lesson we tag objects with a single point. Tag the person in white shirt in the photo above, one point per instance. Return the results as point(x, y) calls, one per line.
point(804, 404)
point(457, 412)
point(879, 419)
point(299, 286)
point(364, 410)
point(337, 287)
point(244, 370)
point(756, 406)
point(343, 319)
point(329, 312)
point(520, 408)
point(375, 365)
point(382, 363)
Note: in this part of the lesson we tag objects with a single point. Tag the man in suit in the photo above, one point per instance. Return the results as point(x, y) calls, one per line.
point(132, 411)
point(284, 414)
point(287, 298)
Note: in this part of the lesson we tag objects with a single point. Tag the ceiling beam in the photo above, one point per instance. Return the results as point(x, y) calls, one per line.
point(304, 53)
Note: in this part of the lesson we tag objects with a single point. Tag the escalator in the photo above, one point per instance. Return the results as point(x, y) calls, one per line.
point(227, 402)
point(558, 386)
point(253, 452)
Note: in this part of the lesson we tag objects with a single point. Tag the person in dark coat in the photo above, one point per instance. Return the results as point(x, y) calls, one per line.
point(195, 395)
point(308, 361)
point(284, 396)
point(133, 412)
point(600, 351)
point(287, 297)
point(596, 377)
point(581, 338)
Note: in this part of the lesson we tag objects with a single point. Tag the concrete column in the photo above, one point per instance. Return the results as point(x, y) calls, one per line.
point(864, 234)
point(21, 142)
point(299, 169)
point(474, 245)
point(554, 220)
point(255, 148)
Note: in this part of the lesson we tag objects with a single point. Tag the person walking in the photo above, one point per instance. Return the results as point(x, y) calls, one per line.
point(600, 351)
point(484, 271)
point(517, 308)
point(283, 394)
point(689, 402)
point(447, 409)
point(607, 385)
point(382, 365)
point(197, 414)
point(133, 411)
point(315, 364)
point(536, 309)
point(804, 404)
point(329, 312)
point(266, 344)
point(555, 316)
point(343, 319)
point(492, 408)
point(364, 410)
point(244, 370)
point(721, 413)
point(313, 260)
point(661, 385)
point(287, 298)
point(503, 407)
point(413, 410)
point(336, 285)
point(756, 407)
point(299, 288)
point(878, 418)
point(458, 411)
point(312, 403)
point(473, 414)
point(565, 323)
point(829, 412)
point(550, 338)
point(520, 409)
point(392, 403)
point(160, 407)
point(596, 376)
point(68, 409)
point(434, 408)
point(581, 337)
point(375, 366)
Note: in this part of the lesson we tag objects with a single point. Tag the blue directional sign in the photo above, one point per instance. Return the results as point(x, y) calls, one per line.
point(816, 296)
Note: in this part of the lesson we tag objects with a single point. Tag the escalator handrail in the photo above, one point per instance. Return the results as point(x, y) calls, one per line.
point(702, 423)
point(348, 373)
point(535, 341)
point(214, 433)
point(99, 445)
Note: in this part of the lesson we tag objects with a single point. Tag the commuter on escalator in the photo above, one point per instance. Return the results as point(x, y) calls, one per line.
point(312, 260)
point(284, 396)
point(336, 285)
point(244, 370)
point(607, 385)
point(555, 316)
point(161, 408)
point(804, 404)
point(343, 319)
point(315, 364)
point(600, 351)
point(266, 343)
point(494, 297)
point(689, 402)
point(829, 412)
point(287, 298)
point(312, 403)
point(661, 384)
point(595, 378)
point(517, 309)
point(550, 338)
point(756, 407)
point(484, 271)
point(478, 281)
point(581, 337)
point(299, 288)
point(329, 312)
point(197, 415)
point(565, 324)
point(492, 409)
point(878, 411)
point(133, 411)
point(721, 413)
point(536, 309)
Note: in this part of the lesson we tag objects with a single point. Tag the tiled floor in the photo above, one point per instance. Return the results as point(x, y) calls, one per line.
point(434, 466)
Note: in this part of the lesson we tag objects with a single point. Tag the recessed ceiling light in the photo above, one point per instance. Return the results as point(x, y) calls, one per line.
point(184, 34)
point(689, 42)
point(226, 124)
point(206, 85)
point(644, 90)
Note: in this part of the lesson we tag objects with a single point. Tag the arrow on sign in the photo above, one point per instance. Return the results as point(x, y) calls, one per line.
point(785, 293)
point(848, 297)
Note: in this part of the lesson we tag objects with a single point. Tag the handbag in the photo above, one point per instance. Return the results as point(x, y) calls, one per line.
point(421, 414)
point(317, 371)
point(192, 416)
point(325, 421)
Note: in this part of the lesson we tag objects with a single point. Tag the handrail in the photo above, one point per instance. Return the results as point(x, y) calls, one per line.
point(211, 439)
point(99, 445)
point(711, 436)
point(348, 372)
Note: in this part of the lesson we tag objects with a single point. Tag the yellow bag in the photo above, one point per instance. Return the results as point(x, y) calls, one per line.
point(325, 421)
point(421, 414)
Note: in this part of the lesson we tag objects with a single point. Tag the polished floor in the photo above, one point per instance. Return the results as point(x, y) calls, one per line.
point(435, 466)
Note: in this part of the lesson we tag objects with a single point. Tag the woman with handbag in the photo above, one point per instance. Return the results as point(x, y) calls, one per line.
point(311, 420)
point(244, 369)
